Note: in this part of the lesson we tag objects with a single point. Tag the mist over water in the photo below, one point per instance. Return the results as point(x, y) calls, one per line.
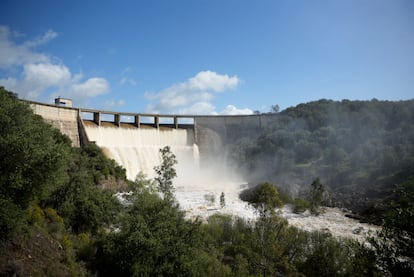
point(199, 182)
point(137, 150)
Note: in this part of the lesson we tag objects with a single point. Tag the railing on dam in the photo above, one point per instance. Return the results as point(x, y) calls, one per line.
point(138, 120)
point(209, 131)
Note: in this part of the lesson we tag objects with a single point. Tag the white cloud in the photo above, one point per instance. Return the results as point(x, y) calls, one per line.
point(48, 36)
point(90, 88)
point(209, 80)
point(8, 82)
point(114, 103)
point(232, 110)
point(37, 78)
point(128, 80)
point(34, 75)
point(199, 108)
point(125, 78)
point(193, 96)
point(46, 74)
point(12, 54)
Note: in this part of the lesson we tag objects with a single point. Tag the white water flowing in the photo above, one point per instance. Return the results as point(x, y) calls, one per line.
point(137, 149)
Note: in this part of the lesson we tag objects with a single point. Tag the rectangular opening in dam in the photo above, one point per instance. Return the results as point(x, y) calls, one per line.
point(185, 121)
point(148, 121)
point(127, 119)
point(166, 120)
point(107, 117)
point(87, 116)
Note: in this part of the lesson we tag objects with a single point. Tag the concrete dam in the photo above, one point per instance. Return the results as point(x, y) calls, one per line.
point(133, 140)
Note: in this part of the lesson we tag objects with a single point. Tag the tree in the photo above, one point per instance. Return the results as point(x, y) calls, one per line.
point(394, 244)
point(166, 173)
point(84, 206)
point(154, 240)
point(274, 109)
point(266, 199)
point(222, 200)
point(142, 184)
point(33, 158)
point(316, 195)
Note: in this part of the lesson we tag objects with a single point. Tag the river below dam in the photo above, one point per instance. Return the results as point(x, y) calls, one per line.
point(204, 201)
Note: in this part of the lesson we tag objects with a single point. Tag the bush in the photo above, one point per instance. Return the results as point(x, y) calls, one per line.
point(11, 218)
point(300, 205)
point(35, 214)
point(154, 239)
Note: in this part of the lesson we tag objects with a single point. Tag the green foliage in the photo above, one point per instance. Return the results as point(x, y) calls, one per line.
point(166, 173)
point(39, 163)
point(326, 257)
point(154, 239)
point(33, 154)
point(33, 160)
point(142, 184)
point(35, 214)
point(270, 247)
point(206, 264)
point(85, 247)
point(266, 199)
point(357, 148)
point(54, 224)
point(84, 206)
point(394, 244)
point(269, 258)
point(400, 221)
point(11, 216)
point(99, 166)
point(300, 205)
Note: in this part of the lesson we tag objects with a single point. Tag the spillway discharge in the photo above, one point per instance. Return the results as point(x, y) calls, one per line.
point(137, 149)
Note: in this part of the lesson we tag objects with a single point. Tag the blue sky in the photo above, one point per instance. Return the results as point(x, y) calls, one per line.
point(206, 57)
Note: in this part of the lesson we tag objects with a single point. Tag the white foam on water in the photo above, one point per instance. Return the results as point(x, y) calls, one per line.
point(196, 200)
point(332, 220)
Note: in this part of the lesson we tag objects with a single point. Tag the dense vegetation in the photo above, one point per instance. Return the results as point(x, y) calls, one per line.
point(49, 191)
point(359, 149)
point(59, 217)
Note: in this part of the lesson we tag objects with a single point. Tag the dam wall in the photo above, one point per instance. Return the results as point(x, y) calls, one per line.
point(213, 133)
point(63, 118)
point(232, 127)
point(134, 140)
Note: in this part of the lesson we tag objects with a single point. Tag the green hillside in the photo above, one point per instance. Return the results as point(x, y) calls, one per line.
point(360, 150)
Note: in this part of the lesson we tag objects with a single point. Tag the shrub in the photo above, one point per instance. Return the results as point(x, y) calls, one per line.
point(300, 205)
